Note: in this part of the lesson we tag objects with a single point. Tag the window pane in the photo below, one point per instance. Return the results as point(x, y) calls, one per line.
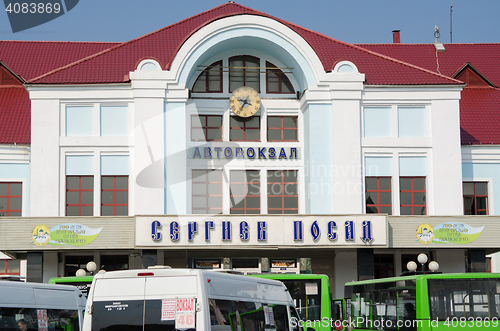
point(274, 122)
point(122, 197)
point(406, 198)
point(272, 82)
point(87, 211)
point(405, 184)
point(468, 188)
point(406, 210)
point(419, 211)
point(419, 184)
point(13, 266)
point(253, 202)
point(291, 202)
point(481, 203)
point(121, 210)
point(197, 134)
point(372, 198)
point(275, 202)
point(4, 189)
point(15, 189)
point(214, 121)
point(274, 134)
point(71, 198)
point(419, 198)
point(108, 211)
point(371, 210)
point(481, 189)
point(214, 134)
point(87, 198)
point(87, 183)
point(15, 213)
point(236, 122)
point(199, 202)
point(72, 183)
point(291, 189)
point(252, 134)
point(214, 176)
point(290, 135)
point(385, 198)
point(215, 202)
point(253, 122)
point(199, 189)
point(108, 183)
point(290, 122)
point(72, 211)
point(121, 183)
point(214, 82)
point(236, 134)
point(15, 204)
point(200, 85)
point(237, 176)
point(385, 184)
point(386, 210)
point(371, 183)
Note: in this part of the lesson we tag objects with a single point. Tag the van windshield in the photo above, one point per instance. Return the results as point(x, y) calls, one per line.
point(128, 315)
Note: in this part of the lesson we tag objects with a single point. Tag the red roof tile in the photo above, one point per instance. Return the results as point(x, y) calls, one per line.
point(480, 116)
point(15, 115)
point(30, 59)
point(483, 57)
point(114, 64)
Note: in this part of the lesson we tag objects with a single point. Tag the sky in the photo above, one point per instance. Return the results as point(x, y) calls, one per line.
point(352, 21)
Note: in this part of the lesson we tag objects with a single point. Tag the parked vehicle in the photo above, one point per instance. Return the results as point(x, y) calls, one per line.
point(36, 306)
point(187, 299)
point(82, 283)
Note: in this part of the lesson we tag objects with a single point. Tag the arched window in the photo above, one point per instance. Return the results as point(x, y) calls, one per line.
point(277, 81)
point(244, 70)
point(210, 80)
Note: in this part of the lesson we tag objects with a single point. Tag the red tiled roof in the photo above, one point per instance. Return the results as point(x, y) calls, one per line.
point(480, 116)
point(30, 59)
point(15, 115)
point(484, 57)
point(114, 64)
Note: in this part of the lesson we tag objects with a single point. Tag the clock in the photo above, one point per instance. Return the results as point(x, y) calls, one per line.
point(244, 101)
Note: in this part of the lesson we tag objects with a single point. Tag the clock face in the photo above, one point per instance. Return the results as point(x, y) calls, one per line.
point(245, 101)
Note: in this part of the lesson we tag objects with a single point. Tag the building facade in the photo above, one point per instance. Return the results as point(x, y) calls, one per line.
point(234, 139)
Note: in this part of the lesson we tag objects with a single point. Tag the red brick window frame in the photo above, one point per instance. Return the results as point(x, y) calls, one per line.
point(282, 128)
point(206, 127)
point(412, 196)
point(210, 80)
point(277, 81)
point(79, 195)
point(114, 195)
point(207, 192)
point(475, 198)
point(378, 195)
point(11, 199)
point(245, 191)
point(244, 129)
point(282, 192)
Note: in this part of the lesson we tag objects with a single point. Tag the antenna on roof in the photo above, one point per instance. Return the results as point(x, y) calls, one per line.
point(451, 23)
point(439, 45)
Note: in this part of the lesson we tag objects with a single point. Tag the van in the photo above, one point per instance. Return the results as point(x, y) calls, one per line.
point(36, 306)
point(187, 299)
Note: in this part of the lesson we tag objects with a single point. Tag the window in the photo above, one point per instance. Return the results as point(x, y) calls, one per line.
point(73, 263)
point(282, 192)
point(475, 198)
point(277, 81)
point(207, 191)
point(377, 122)
point(244, 70)
point(412, 195)
point(80, 121)
point(244, 129)
point(114, 262)
point(79, 195)
point(210, 80)
point(10, 267)
point(206, 127)
point(282, 128)
point(245, 192)
point(114, 195)
point(114, 121)
point(378, 195)
point(411, 122)
point(10, 199)
point(383, 265)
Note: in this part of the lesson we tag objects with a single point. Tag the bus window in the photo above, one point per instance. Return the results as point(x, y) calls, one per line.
point(57, 319)
point(476, 298)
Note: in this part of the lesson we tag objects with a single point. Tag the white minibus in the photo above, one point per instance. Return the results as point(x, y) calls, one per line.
point(36, 306)
point(187, 299)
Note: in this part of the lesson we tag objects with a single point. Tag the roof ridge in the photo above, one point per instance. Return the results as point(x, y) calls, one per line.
point(128, 42)
point(379, 55)
point(57, 41)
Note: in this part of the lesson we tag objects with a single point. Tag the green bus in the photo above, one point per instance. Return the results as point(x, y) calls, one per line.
point(82, 283)
point(312, 297)
point(424, 302)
